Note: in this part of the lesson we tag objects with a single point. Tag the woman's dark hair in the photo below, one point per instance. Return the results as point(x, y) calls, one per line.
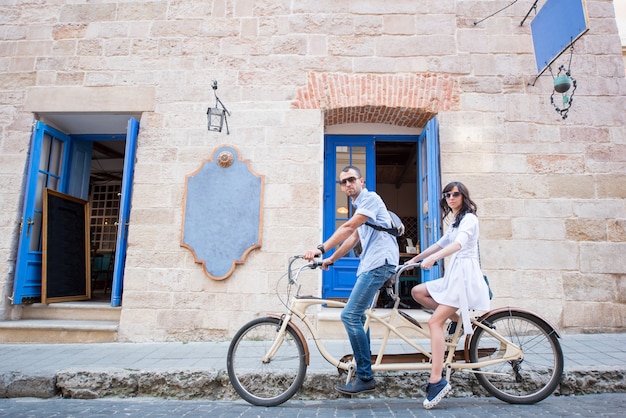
point(468, 204)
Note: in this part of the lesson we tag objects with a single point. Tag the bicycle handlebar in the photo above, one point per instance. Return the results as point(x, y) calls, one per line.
point(312, 265)
point(401, 268)
point(315, 264)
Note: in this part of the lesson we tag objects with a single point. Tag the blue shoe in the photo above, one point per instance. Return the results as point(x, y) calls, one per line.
point(357, 386)
point(436, 392)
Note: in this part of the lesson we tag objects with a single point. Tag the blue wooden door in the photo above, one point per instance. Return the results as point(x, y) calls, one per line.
point(47, 168)
point(429, 192)
point(124, 213)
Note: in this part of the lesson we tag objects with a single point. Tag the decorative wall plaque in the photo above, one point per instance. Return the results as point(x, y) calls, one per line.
point(223, 207)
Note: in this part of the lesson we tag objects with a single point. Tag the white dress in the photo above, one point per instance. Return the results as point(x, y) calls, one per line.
point(462, 285)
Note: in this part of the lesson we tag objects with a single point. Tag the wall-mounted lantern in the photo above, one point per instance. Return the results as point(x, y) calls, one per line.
point(216, 116)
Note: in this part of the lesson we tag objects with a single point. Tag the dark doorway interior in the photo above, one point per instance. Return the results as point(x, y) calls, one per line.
point(396, 183)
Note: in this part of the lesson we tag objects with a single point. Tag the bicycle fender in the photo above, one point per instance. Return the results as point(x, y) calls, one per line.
point(508, 309)
point(526, 311)
point(298, 333)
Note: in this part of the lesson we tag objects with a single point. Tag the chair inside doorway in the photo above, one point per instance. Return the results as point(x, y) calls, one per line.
point(102, 272)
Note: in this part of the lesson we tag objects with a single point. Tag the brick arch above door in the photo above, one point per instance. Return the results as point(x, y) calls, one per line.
point(409, 100)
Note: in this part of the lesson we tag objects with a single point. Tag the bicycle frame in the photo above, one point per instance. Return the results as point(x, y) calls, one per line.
point(299, 305)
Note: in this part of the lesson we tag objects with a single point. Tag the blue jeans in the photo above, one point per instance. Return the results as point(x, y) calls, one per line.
point(353, 316)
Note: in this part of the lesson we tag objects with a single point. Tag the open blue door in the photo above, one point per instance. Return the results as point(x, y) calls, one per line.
point(429, 192)
point(124, 213)
point(47, 168)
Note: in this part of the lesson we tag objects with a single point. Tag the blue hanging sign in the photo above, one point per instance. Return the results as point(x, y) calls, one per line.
point(556, 27)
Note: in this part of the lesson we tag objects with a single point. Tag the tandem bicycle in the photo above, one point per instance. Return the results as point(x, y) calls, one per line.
point(514, 353)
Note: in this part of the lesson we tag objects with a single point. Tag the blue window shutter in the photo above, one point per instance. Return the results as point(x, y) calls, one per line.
point(124, 213)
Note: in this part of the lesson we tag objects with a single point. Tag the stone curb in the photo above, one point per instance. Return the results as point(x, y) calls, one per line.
point(215, 385)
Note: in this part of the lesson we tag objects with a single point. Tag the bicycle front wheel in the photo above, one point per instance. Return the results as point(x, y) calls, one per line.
point(274, 380)
point(525, 381)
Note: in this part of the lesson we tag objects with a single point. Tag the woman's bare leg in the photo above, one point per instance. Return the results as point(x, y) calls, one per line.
point(435, 324)
point(437, 339)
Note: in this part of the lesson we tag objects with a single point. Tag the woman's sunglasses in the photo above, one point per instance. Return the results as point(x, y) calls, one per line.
point(449, 195)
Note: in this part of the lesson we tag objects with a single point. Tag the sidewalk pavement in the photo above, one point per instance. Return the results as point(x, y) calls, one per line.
point(594, 363)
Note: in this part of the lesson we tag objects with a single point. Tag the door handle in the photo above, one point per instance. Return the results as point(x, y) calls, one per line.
point(29, 223)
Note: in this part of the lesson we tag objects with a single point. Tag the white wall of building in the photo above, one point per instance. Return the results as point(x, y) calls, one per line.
point(551, 192)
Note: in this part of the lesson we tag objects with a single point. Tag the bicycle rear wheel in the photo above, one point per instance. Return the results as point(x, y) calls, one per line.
point(525, 381)
point(267, 383)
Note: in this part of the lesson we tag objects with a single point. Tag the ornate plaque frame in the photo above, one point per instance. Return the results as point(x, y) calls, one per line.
point(222, 212)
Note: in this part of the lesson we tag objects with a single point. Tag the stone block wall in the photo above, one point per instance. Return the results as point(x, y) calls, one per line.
point(550, 191)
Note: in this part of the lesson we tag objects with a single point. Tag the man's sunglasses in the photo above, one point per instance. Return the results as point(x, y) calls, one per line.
point(348, 180)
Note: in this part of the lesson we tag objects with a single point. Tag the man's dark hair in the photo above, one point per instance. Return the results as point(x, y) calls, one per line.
point(351, 167)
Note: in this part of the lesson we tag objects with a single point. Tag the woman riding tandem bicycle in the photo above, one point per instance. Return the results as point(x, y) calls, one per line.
point(461, 287)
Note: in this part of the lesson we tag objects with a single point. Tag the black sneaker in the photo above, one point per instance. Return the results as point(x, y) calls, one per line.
point(436, 392)
point(357, 386)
